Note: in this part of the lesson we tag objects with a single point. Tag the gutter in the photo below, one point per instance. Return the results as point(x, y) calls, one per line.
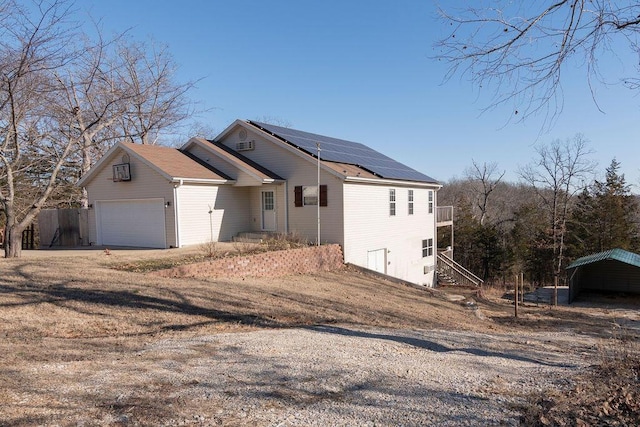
point(286, 207)
point(392, 182)
point(182, 181)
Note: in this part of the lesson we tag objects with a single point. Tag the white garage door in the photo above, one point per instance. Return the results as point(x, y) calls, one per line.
point(131, 223)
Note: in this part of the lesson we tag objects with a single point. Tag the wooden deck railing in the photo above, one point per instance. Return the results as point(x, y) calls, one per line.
point(457, 273)
point(444, 215)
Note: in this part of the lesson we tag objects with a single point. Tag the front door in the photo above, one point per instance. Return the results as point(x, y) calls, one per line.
point(268, 211)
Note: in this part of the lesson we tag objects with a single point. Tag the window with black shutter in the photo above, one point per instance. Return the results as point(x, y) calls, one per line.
point(323, 195)
point(307, 195)
point(298, 195)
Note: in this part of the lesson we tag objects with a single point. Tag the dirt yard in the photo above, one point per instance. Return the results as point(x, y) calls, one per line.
point(85, 342)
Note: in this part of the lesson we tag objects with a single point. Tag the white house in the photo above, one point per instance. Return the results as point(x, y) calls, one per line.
point(264, 178)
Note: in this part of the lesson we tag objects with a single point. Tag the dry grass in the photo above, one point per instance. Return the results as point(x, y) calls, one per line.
point(608, 393)
point(74, 311)
point(211, 250)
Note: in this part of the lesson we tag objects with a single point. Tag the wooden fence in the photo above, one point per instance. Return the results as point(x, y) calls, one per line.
point(63, 227)
point(28, 237)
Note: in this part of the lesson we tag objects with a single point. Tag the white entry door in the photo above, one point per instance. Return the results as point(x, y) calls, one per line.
point(268, 211)
point(377, 260)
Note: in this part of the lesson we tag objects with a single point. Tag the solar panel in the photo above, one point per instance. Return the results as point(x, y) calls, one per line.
point(339, 150)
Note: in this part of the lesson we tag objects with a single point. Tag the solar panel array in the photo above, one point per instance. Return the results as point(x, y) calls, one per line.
point(339, 150)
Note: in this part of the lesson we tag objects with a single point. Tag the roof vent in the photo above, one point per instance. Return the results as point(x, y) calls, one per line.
point(245, 145)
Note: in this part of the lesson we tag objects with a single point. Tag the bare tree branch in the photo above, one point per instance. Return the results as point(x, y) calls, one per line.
point(485, 178)
point(523, 47)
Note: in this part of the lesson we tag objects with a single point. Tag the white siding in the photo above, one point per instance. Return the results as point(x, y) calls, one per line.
point(255, 207)
point(297, 171)
point(369, 227)
point(230, 213)
point(145, 183)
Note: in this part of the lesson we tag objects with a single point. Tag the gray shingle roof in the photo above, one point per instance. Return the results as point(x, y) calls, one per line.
point(266, 173)
point(342, 151)
point(613, 254)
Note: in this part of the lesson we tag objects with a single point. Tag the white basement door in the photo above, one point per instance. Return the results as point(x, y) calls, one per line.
point(138, 223)
point(376, 260)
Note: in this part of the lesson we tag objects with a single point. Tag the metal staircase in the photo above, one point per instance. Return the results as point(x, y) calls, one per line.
point(452, 273)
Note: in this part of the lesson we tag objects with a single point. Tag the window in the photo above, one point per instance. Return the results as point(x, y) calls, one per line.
point(427, 248)
point(392, 202)
point(307, 195)
point(430, 202)
point(410, 202)
point(268, 204)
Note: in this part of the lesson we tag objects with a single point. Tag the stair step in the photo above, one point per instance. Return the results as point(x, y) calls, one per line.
point(246, 240)
point(252, 237)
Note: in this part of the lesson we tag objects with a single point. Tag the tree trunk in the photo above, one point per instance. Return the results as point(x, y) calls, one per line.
point(13, 241)
point(84, 169)
point(84, 199)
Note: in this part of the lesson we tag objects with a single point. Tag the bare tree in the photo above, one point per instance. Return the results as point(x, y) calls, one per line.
point(116, 90)
point(63, 103)
point(31, 150)
point(523, 47)
point(484, 178)
point(154, 101)
point(559, 172)
point(90, 104)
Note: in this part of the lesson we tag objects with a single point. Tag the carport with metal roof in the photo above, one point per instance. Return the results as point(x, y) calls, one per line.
point(615, 270)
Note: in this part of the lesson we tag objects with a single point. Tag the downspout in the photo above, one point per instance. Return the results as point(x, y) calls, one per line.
point(318, 193)
point(435, 238)
point(286, 206)
point(176, 212)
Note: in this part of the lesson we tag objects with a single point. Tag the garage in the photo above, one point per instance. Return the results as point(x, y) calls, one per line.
point(137, 223)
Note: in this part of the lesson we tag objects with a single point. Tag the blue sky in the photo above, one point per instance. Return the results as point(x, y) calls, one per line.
point(363, 71)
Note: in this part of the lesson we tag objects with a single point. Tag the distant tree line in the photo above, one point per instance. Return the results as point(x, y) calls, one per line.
point(560, 210)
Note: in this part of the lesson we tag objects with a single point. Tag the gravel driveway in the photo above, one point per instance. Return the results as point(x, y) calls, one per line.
point(343, 376)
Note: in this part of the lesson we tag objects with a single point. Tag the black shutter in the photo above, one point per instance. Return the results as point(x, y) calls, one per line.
point(323, 195)
point(298, 195)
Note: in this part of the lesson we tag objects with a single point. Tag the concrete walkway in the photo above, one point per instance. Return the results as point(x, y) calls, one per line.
point(544, 295)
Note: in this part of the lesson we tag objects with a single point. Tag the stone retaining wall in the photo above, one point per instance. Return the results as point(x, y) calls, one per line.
point(267, 264)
